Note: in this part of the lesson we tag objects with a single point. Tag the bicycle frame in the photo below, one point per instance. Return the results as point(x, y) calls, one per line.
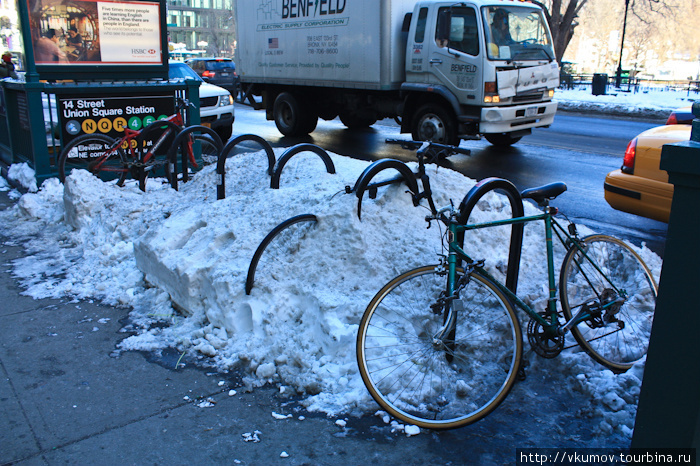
point(457, 254)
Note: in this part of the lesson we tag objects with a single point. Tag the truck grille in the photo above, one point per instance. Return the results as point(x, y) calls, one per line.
point(535, 96)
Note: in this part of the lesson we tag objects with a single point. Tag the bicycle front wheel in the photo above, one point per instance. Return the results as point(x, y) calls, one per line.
point(427, 382)
point(608, 281)
point(97, 153)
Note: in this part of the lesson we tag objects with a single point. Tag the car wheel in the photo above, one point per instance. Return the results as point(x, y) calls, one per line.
point(224, 133)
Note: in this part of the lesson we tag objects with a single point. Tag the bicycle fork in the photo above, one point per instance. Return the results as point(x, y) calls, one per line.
point(452, 306)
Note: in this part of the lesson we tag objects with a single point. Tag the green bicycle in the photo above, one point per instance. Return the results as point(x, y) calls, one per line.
point(441, 346)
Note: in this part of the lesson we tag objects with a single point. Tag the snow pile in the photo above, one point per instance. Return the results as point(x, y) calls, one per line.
point(648, 103)
point(24, 175)
point(179, 260)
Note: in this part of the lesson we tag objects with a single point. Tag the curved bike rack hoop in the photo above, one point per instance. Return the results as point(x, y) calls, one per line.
point(221, 162)
point(252, 268)
point(179, 140)
point(517, 209)
point(362, 183)
point(292, 151)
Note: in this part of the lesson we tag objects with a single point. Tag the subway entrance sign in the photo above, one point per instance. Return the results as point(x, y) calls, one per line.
point(111, 115)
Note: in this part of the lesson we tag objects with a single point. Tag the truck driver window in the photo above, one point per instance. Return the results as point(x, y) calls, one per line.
point(516, 33)
point(464, 32)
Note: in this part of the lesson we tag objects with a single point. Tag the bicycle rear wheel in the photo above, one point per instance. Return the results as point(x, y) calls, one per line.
point(612, 284)
point(423, 381)
point(97, 153)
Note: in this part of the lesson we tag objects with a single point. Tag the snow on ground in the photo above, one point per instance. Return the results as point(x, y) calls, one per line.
point(647, 102)
point(178, 260)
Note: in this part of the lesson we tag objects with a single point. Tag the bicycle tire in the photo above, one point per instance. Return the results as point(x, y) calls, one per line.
point(424, 385)
point(114, 167)
point(614, 345)
point(286, 236)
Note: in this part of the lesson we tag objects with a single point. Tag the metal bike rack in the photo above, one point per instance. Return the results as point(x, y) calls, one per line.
point(289, 153)
point(180, 139)
point(362, 183)
point(221, 162)
point(517, 209)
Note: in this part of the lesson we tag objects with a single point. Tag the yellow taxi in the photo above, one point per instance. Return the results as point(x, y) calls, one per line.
point(640, 187)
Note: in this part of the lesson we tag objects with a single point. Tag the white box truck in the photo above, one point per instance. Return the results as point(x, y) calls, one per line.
point(445, 70)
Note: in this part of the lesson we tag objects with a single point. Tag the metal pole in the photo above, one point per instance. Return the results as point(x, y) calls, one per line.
point(618, 77)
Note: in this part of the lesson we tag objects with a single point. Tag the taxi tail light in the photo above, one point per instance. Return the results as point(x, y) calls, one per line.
point(628, 160)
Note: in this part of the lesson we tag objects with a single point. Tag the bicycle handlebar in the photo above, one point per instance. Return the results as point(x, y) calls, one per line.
point(440, 214)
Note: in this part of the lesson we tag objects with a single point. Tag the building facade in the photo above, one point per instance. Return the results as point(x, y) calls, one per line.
point(201, 28)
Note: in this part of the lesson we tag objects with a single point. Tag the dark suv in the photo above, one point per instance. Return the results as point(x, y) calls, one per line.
point(217, 71)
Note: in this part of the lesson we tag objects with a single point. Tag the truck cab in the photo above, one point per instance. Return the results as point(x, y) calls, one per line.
point(478, 68)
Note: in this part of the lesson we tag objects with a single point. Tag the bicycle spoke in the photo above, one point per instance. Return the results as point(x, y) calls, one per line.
point(426, 381)
point(620, 296)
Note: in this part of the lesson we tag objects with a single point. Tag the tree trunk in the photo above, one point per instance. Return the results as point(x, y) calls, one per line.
point(562, 25)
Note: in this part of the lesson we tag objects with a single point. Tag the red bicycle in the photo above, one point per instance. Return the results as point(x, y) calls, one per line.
point(133, 154)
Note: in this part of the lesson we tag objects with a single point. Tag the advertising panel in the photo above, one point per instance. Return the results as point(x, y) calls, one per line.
point(96, 35)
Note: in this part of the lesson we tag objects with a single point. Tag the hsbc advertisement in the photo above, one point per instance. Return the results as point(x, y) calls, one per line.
point(89, 32)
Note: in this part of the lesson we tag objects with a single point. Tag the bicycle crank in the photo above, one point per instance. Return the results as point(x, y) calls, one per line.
point(545, 342)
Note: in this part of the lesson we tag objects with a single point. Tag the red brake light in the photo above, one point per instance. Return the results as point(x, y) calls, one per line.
point(208, 74)
point(628, 160)
point(672, 120)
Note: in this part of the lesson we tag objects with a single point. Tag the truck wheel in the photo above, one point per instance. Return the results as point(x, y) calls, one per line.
point(353, 121)
point(502, 139)
point(290, 117)
point(433, 123)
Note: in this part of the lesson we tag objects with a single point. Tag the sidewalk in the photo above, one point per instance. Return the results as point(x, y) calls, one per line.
point(66, 397)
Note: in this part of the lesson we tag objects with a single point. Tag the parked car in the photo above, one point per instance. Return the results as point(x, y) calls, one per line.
point(681, 116)
point(216, 103)
point(640, 187)
point(218, 71)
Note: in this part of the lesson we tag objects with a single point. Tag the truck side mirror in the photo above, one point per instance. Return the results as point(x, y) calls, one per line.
point(444, 27)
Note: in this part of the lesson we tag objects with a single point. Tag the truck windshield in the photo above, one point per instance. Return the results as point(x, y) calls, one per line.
point(516, 33)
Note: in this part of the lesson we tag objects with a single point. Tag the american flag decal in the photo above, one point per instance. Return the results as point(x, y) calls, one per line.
point(273, 43)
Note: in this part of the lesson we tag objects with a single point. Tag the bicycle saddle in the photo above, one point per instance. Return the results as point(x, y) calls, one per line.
point(548, 191)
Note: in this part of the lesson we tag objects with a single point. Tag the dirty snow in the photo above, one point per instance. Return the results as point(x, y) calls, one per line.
point(178, 260)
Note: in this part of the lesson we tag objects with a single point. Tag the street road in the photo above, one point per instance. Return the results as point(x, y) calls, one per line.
point(576, 149)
